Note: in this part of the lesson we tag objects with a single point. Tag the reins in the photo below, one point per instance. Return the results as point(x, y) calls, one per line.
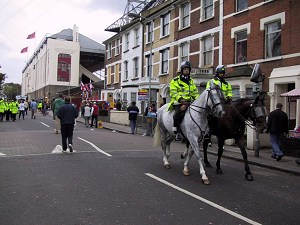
point(198, 107)
point(242, 118)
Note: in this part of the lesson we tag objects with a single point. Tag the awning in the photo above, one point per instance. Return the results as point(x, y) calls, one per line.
point(292, 93)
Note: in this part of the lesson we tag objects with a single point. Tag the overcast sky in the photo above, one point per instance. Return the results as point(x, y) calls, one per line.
point(19, 18)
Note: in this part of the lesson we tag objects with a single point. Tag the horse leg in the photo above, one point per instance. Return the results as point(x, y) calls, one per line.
point(195, 147)
point(241, 144)
point(186, 163)
point(186, 151)
point(165, 145)
point(220, 153)
point(205, 146)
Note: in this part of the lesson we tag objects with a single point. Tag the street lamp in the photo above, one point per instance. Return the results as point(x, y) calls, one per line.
point(134, 15)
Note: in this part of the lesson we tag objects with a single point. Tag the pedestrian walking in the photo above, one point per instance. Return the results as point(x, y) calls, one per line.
point(87, 114)
point(67, 114)
point(33, 108)
point(133, 111)
point(56, 105)
point(277, 127)
point(22, 109)
point(95, 114)
point(26, 107)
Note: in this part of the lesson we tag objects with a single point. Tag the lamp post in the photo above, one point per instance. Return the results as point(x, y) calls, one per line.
point(134, 15)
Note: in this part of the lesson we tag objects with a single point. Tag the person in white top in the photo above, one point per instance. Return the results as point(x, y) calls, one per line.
point(22, 109)
point(87, 114)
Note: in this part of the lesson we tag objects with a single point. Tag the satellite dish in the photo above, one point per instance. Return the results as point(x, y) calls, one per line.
point(256, 75)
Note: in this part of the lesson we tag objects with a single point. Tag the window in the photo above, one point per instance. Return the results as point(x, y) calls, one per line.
point(207, 9)
point(273, 39)
point(109, 50)
point(241, 47)
point(164, 61)
point(64, 67)
point(117, 46)
point(108, 81)
point(235, 93)
point(149, 65)
point(126, 42)
point(133, 96)
point(184, 52)
point(117, 73)
point(207, 50)
point(126, 70)
point(241, 5)
point(185, 15)
point(165, 24)
point(135, 67)
point(149, 32)
point(125, 98)
point(136, 37)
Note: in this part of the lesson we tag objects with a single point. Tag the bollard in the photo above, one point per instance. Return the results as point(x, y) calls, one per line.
point(100, 124)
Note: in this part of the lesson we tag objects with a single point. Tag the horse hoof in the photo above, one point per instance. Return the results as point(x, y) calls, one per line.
point(249, 177)
point(208, 165)
point(219, 171)
point(205, 181)
point(167, 166)
point(186, 173)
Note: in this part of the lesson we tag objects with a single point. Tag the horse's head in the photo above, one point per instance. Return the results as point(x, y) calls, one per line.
point(258, 113)
point(216, 101)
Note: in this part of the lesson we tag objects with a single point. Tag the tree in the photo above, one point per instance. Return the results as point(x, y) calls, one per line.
point(2, 78)
point(11, 90)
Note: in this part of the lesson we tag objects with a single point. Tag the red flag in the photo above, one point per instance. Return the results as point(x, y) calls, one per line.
point(82, 87)
point(30, 36)
point(24, 50)
point(86, 87)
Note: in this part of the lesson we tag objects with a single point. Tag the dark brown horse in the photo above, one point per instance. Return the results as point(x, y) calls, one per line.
point(239, 113)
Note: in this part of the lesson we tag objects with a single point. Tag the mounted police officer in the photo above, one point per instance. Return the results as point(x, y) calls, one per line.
point(182, 91)
point(226, 88)
point(219, 79)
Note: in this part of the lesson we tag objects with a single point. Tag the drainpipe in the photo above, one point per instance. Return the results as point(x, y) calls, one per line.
point(221, 8)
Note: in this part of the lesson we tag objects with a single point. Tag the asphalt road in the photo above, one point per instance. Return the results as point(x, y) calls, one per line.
point(116, 178)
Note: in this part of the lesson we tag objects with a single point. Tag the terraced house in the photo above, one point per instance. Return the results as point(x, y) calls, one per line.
point(236, 33)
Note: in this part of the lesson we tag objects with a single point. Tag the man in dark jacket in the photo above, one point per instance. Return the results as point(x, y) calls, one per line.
point(277, 127)
point(67, 114)
point(133, 113)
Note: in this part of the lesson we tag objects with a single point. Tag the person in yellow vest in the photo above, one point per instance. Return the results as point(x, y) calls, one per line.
point(40, 106)
point(7, 110)
point(183, 91)
point(219, 80)
point(14, 108)
point(226, 88)
point(2, 109)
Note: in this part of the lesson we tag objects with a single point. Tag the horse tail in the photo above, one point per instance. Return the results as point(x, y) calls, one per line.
point(156, 137)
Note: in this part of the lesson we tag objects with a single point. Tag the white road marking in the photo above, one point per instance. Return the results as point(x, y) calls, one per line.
point(98, 149)
point(2, 154)
point(204, 200)
point(45, 124)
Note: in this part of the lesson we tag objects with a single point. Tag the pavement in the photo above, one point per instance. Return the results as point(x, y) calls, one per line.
point(286, 164)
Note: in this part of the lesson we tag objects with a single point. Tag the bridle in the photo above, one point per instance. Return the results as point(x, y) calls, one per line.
point(216, 97)
point(254, 113)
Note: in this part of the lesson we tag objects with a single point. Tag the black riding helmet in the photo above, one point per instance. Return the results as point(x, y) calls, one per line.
point(220, 69)
point(185, 64)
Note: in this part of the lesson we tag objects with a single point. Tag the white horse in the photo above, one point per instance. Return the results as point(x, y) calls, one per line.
point(194, 125)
